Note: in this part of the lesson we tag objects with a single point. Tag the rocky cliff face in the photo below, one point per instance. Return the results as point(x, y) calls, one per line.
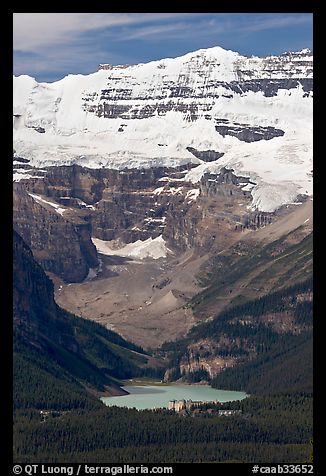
point(60, 244)
point(202, 356)
point(214, 79)
point(35, 314)
point(245, 132)
point(59, 213)
point(220, 210)
point(70, 348)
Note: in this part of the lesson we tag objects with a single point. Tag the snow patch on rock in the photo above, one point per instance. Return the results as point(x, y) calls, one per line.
point(154, 248)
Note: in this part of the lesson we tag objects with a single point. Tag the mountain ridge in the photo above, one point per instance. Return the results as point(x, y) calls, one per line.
point(157, 113)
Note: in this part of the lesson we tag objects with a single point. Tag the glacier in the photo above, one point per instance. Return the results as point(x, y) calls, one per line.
point(149, 115)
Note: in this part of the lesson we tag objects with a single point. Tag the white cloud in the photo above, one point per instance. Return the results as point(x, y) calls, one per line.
point(214, 26)
point(275, 22)
point(59, 43)
point(178, 29)
point(45, 42)
point(33, 32)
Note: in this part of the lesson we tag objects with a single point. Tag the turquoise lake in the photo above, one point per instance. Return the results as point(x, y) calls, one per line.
point(158, 396)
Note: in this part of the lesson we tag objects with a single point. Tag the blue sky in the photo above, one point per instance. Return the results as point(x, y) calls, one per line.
point(48, 46)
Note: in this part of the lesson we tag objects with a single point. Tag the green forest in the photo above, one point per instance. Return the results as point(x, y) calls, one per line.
point(255, 341)
point(63, 362)
point(281, 425)
point(275, 424)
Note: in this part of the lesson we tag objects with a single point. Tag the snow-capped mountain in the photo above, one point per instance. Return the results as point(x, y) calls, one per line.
point(214, 108)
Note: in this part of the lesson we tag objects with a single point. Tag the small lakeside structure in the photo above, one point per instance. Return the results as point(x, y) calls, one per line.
point(179, 405)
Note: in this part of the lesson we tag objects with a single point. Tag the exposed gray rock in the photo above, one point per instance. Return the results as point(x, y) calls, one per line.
point(112, 105)
point(210, 184)
point(21, 159)
point(41, 130)
point(206, 155)
point(59, 245)
point(129, 205)
point(247, 133)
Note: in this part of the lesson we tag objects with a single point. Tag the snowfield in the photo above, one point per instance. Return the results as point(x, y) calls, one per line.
point(154, 248)
point(73, 133)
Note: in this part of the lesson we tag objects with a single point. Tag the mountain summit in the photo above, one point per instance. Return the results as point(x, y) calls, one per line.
point(251, 114)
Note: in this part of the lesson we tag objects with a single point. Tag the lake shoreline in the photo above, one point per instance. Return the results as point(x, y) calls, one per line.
point(145, 382)
point(148, 397)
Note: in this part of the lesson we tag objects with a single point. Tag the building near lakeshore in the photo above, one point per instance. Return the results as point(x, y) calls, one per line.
point(179, 405)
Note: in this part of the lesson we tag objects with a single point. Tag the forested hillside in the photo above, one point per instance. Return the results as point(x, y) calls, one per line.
point(261, 335)
point(249, 270)
point(60, 368)
point(286, 368)
point(270, 429)
point(61, 353)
